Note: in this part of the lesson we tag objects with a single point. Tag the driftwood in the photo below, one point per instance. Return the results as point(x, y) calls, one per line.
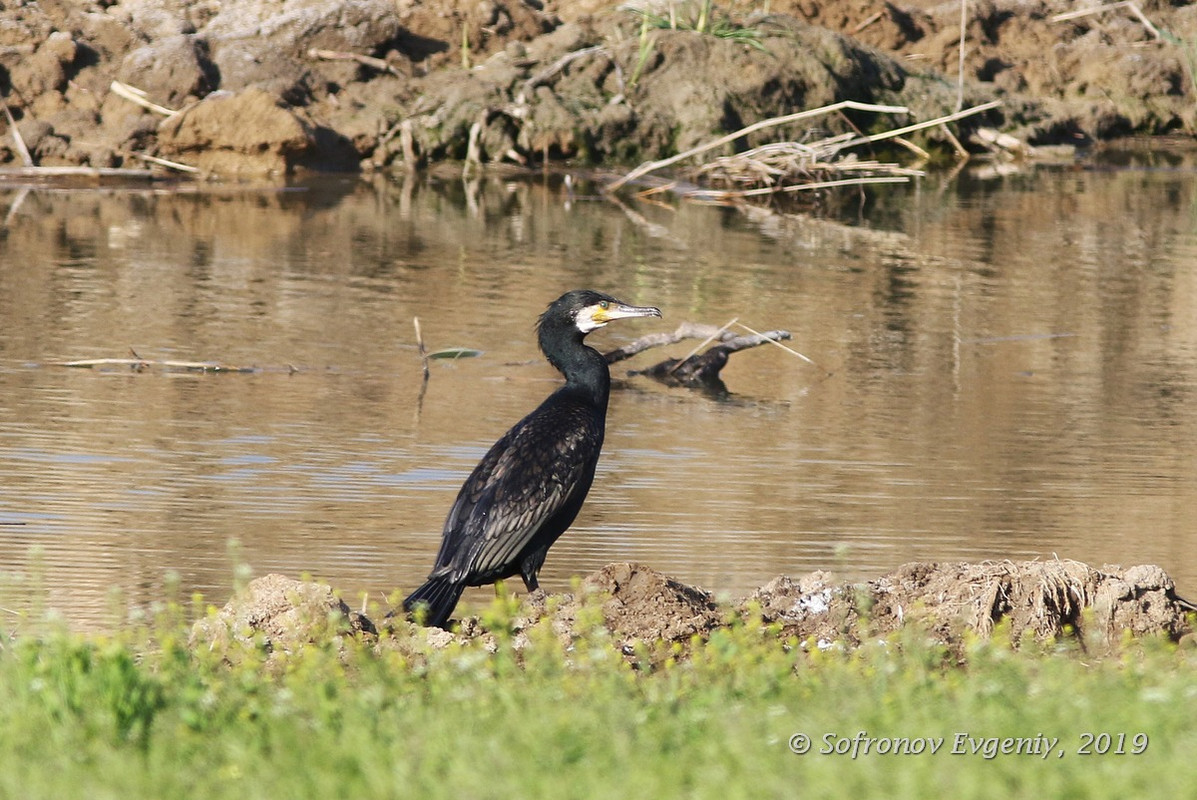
point(141, 365)
point(76, 172)
point(697, 370)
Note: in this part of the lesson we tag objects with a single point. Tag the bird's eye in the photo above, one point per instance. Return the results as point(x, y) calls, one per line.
point(604, 305)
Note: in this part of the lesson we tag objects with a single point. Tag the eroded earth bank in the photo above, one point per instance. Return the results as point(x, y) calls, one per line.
point(270, 86)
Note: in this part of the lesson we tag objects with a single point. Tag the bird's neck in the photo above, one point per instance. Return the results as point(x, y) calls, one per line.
point(584, 368)
point(590, 375)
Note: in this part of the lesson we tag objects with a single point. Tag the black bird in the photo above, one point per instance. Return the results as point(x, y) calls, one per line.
point(530, 485)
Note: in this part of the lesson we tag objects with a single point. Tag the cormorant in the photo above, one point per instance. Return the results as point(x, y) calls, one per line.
point(531, 483)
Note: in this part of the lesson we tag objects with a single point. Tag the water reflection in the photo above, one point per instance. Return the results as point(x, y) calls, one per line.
point(1010, 363)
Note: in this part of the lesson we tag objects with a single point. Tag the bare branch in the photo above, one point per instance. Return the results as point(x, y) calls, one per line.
point(687, 330)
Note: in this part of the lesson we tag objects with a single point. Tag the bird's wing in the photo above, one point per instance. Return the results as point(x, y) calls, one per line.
point(523, 482)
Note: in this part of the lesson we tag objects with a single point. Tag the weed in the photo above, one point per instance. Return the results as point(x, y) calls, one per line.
point(700, 17)
point(532, 710)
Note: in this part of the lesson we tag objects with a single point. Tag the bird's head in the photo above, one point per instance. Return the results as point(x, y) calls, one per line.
point(589, 310)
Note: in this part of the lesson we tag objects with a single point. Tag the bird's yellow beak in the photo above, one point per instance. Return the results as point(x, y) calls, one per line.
point(604, 312)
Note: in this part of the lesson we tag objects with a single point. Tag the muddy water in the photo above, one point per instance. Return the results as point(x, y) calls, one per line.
point(1006, 369)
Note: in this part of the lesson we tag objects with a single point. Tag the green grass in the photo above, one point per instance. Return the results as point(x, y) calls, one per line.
point(138, 714)
point(700, 17)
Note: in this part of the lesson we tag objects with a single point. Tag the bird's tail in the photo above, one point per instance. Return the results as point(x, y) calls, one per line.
point(438, 597)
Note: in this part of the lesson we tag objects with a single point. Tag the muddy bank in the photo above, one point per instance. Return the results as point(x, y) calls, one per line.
point(646, 612)
point(271, 87)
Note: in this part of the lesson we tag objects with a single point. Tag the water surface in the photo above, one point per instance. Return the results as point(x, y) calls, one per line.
point(1006, 368)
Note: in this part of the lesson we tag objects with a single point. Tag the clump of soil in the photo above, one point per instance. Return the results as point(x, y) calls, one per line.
point(266, 86)
point(645, 611)
point(1097, 76)
point(279, 614)
point(638, 605)
point(1039, 599)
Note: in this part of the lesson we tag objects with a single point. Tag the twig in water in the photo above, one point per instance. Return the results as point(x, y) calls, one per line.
point(140, 364)
point(75, 172)
point(686, 330)
point(789, 350)
point(420, 347)
point(919, 152)
point(803, 187)
point(473, 159)
point(918, 126)
point(702, 344)
point(961, 150)
point(16, 205)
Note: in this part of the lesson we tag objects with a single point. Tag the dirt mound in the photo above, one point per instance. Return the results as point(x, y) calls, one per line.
point(279, 614)
point(1042, 599)
point(1096, 76)
point(646, 612)
point(642, 604)
point(593, 90)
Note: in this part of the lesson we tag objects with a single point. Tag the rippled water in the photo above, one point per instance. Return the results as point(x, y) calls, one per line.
point(1006, 368)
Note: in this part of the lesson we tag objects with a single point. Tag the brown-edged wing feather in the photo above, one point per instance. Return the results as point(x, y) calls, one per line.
point(524, 493)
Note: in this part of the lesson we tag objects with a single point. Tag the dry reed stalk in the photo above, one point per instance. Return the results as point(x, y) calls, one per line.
point(918, 126)
point(715, 335)
point(18, 140)
point(652, 166)
point(162, 162)
point(140, 364)
point(792, 166)
point(140, 97)
point(776, 343)
point(382, 65)
point(1127, 4)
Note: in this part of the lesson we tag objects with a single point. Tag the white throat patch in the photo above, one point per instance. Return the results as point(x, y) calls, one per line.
point(585, 319)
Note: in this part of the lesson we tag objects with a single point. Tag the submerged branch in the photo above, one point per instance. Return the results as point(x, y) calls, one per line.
point(696, 370)
point(686, 330)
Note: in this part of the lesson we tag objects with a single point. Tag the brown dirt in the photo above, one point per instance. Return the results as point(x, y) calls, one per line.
point(252, 97)
point(1039, 599)
point(648, 614)
point(279, 614)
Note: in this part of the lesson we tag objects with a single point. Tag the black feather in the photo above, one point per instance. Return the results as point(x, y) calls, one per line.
point(438, 597)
